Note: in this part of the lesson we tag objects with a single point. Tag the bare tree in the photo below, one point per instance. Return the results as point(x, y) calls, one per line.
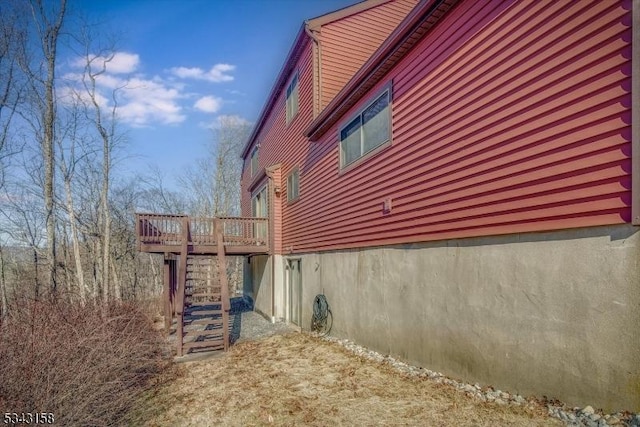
point(104, 120)
point(39, 67)
point(62, 203)
point(23, 223)
point(12, 39)
point(157, 197)
point(4, 301)
point(74, 150)
point(230, 137)
point(214, 185)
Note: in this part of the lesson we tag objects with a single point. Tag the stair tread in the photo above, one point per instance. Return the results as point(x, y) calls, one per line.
point(203, 294)
point(218, 344)
point(205, 303)
point(205, 313)
point(198, 305)
point(215, 335)
point(203, 322)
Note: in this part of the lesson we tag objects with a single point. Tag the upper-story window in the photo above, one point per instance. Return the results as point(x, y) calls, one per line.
point(292, 98)
point(254, 161)
point(368, 130)
point(293, 185)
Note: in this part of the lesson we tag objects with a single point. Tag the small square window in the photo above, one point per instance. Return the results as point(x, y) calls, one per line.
point(292, 98)
point(293, 185)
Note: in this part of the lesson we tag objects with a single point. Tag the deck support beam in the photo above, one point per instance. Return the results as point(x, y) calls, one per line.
point(166, 297)
point(224, 284)
point(182, 279)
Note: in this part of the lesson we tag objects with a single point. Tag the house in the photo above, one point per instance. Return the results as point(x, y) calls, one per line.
point(466, 196)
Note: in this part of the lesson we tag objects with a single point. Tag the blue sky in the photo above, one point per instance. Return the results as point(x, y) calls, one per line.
point(188, 62)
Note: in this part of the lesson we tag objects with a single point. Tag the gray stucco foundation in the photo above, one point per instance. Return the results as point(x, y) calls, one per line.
point(554, 314)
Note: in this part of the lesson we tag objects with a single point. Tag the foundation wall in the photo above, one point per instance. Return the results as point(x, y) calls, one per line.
point(554, 314)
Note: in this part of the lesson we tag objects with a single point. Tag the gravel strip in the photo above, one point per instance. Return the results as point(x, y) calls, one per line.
point(575, 416)
point(248, 325)
point(253, 326)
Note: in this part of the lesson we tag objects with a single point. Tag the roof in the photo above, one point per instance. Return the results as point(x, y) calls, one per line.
point(294, 54)
point(411, 30)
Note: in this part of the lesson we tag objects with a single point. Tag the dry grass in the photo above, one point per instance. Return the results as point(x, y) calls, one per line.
point(296, 379)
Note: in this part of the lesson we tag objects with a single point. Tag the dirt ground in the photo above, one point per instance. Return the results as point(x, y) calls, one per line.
point(300, 380)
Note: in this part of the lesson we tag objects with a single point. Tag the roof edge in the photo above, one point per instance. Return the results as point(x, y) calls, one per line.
point(336, 15)
point(295, 50)
point(373, 70)
point(287, 67)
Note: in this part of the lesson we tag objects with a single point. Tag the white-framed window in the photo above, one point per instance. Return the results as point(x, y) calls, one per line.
point(293, 185)
point(292, 98)
point(254, 161)
point(368, 130)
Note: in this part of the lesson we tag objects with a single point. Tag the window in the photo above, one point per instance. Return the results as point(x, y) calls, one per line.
point(259, 203)
point(293, 185)
point(292, 98)
point(254, 161)
point(370, 129)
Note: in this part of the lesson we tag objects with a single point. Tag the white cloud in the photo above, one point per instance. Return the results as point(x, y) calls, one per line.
point(217, 74)
point(118, 63)
point(123, 62)
point(144, 100)
point(208, 104)
point(141, 101)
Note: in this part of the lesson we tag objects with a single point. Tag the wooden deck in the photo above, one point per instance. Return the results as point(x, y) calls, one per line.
point(196, 291)
point(161, 233)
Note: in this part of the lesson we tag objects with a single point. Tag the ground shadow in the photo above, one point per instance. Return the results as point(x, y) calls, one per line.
point(239, 305)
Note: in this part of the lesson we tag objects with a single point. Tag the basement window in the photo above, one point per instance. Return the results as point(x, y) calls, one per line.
point(367, 131)
point(293, 185)
point(292, 98)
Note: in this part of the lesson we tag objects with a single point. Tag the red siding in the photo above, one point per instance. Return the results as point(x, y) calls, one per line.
point(282, 144)
point(506, 118)
point(347, 43)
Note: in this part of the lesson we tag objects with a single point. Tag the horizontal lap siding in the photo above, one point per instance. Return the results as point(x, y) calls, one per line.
point(349, 42)
point(282, 143)
point(505, 119)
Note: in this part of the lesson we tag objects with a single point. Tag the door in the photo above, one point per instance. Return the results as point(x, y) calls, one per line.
point(260, 209)
point(294, 281)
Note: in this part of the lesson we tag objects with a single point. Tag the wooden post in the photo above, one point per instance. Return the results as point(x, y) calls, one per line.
point(182, 279)
point(174, 285)
point(167, 294)
point(224, 285)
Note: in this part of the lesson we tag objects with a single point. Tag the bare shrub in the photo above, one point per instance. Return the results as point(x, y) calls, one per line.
point(88, 365)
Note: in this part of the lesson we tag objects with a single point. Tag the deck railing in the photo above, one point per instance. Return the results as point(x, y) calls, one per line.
point(168, 230)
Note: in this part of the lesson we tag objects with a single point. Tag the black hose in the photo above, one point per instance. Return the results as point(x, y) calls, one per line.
point(322, 320)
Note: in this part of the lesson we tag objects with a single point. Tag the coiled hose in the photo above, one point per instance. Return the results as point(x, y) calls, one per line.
point(322, 320)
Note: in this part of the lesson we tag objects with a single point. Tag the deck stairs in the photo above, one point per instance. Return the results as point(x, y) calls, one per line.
point(205, 324)
point(203, 320)
point(196, 292)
